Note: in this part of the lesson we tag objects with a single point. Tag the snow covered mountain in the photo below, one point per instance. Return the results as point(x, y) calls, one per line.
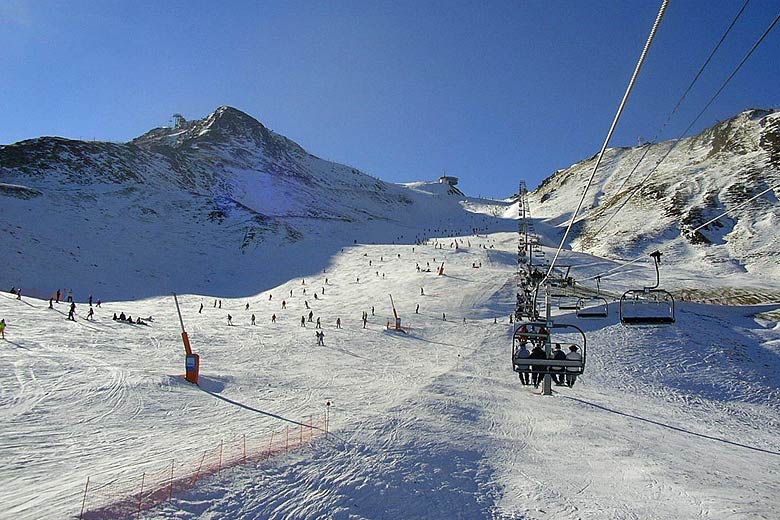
point(205, 204)
point(702, 177)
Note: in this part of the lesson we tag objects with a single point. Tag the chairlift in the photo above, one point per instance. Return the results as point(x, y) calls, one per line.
point(540, 332)
point(593, 307)
point(569, 304)
point(649, 305)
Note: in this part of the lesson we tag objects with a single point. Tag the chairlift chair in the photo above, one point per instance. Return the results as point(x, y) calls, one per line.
point(649, 305)
point(568, 303)
point(594, 307)
point(530, 332)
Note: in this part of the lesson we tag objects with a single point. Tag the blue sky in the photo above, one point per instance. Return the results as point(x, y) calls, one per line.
point(491, 92)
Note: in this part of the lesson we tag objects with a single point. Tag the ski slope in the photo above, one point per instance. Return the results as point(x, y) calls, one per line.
point(676, 422)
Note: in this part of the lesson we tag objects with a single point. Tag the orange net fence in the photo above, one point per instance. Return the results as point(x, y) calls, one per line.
point(128, 495)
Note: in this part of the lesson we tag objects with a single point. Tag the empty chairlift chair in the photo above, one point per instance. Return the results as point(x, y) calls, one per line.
point(649, 305)
point(539, 332)
point(595, 307)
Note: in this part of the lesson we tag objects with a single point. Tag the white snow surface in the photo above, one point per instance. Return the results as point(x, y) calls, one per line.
point(666, 422)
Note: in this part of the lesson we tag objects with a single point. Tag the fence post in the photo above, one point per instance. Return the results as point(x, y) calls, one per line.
point(197, 472)
point(219, 464)
point(170, 488)
point(287, 438)
point(245, 448)
point(84, 500)
point(141, 494)
point(300, 442)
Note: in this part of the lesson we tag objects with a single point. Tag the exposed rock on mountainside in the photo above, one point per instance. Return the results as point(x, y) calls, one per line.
point(701, 177)
point(184, 205)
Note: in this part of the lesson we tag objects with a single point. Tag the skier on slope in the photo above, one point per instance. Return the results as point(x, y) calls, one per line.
point(230, 319)
point(2, 328)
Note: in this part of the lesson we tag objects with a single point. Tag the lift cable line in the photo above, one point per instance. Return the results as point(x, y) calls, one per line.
point(735, 208)
point(683, 97)
point(621, 266)
point(641, 185)
point(630, 87)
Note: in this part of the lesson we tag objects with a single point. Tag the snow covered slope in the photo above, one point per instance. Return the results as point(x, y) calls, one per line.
point(675, 422)
point(208, 206)
point(703, 176)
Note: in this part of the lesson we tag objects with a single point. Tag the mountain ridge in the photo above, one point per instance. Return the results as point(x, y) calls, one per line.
point(703, 176)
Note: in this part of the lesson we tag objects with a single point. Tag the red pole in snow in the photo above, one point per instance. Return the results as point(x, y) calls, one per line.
point(141, 493)
point(170, 488)
point(84, 501)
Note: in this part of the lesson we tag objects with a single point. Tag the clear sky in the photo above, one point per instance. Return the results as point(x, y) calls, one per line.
point(490, 91)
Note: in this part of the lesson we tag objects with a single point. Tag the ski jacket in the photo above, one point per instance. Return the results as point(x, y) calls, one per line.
point(573, 356)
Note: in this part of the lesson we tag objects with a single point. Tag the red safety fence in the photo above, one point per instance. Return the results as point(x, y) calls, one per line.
point(128, 495)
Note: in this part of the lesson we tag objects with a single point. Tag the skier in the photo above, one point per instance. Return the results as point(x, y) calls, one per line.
point(91, 314)
point(538, 375)
point(253, 319)
point(99, 302)
point(230, 319)
point(247, 307)
point(365, 320)
point(215, 304)
point(72, 312)
point(273, 318)
point(318, 326)
point(523, 353)
point(422, 292)
point(559, 355)
point(372, 310)
point(220, 304)
point(59, 294)
point(2, 328)
point(323, 291)
point(311, 315)
point(19, 294)
point(270, 297)
point(50, 303)
point(417, 309)
point(303, 321)
point(573, 355)
point(284, 304)
point(443, 317)
point(338, 323)
point(306, 303)
point(70, 295)
point(90, 300)
point(201, 308)
point(316, 297)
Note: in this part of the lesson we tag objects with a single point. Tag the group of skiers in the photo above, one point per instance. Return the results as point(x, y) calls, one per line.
point(561, 376)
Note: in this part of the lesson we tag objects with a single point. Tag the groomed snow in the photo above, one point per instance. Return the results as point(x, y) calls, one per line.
point(674, 422)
